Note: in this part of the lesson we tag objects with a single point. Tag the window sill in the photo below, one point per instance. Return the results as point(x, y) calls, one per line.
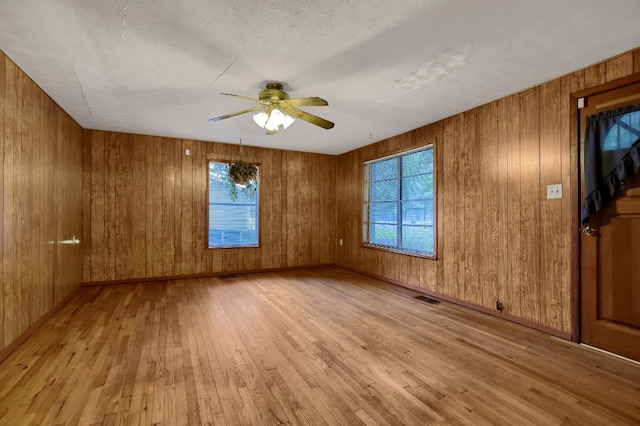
point(233, 247)
point(390, 250)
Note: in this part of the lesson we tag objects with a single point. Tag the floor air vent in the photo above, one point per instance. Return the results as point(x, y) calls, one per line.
point(224, 277)
point(427, 299)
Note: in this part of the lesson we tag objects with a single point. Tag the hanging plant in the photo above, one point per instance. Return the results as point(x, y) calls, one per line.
point(243, 175)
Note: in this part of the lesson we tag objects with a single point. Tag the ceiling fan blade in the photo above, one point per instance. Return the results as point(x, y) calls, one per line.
point(233, 114)
point(305, 102)
point(303, 115)
point(243, 97)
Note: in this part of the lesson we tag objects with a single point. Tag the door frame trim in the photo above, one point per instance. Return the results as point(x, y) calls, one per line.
point(575, 193)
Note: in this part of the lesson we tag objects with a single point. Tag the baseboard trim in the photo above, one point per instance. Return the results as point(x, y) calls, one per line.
point(615, 355)
point(4, 353)
point(508, 317)
point(203, 275)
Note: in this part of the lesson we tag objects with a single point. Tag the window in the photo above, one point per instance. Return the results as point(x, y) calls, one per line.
point(232, 223)
point(399, 202)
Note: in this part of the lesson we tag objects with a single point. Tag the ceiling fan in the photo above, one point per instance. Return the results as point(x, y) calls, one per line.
point(277, 109)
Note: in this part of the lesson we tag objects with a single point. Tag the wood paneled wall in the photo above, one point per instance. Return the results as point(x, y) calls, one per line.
point(499, 238)
point(145, 205)
point(40, 202)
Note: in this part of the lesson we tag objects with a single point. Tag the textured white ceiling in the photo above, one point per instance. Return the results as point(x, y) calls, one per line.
point(157, 67)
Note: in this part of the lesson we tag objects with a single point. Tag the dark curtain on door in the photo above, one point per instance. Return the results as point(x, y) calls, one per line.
point(611, 153)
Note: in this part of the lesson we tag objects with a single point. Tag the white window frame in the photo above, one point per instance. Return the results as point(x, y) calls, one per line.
point(367, 204)
point(211, 203)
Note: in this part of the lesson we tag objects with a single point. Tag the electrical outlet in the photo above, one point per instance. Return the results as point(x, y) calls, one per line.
point(554, 191)
point(340, 241)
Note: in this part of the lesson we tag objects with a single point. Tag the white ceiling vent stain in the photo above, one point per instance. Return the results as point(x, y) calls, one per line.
point(446, 62)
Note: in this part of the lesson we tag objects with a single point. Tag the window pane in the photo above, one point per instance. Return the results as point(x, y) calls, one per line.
point(384, 235)
point(417, 187)
point(232, 223)
point(417, 212)
point(384, 190)
point(383, 170)
point(417, 163)
point(418, 239)
point(384, 212)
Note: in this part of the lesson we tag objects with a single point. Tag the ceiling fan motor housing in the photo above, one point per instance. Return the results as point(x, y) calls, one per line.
point(274, 93)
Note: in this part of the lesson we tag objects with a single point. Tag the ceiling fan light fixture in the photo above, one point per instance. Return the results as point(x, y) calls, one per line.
point(273, 121)
point(261, 118)
point(287, 119)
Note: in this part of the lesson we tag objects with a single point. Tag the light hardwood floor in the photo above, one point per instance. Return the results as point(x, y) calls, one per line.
point(321, 346)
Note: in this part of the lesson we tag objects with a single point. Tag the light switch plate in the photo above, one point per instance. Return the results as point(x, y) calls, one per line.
point(554, 191)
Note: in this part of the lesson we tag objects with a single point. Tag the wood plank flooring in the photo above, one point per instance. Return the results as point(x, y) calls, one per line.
point(315, 347)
